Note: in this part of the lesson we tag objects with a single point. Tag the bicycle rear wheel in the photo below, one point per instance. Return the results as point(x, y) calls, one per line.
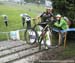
point(30, 36)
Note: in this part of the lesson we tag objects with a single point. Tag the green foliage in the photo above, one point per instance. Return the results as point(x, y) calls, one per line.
point(30, 0)
point(65, 7)
point(35, 1)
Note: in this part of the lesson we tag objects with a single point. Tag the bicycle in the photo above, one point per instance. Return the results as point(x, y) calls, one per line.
point(32, 36)
point(47, 30)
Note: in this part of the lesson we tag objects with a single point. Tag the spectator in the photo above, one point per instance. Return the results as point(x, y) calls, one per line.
point(61, 24)
point(23, 19)
point(28, 20)
point(6, 20)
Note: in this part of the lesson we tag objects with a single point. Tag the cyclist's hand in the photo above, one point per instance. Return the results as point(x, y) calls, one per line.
point(33, 19)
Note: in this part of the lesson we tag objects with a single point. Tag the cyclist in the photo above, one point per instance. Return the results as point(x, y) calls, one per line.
point(61, 24)
point(46, 16)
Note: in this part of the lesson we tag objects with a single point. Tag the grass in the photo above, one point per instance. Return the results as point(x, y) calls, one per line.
point(13, 12)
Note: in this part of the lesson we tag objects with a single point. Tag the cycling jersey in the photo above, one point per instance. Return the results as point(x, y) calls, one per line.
point(45, 17)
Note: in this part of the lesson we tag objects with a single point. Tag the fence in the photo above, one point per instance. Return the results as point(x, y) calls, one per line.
point(14, 35)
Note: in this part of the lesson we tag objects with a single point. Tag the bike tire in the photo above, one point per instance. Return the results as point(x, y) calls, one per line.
point(30, 36)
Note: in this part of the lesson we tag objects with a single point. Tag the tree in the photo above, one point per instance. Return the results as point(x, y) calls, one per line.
point(65, 7)
point(29, 1)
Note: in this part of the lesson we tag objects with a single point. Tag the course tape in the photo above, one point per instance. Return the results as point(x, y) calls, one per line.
point(4, 32)
point(68, 30)
point(54, 29)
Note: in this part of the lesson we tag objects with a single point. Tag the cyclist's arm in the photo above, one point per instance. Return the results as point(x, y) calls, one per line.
point(39, 17)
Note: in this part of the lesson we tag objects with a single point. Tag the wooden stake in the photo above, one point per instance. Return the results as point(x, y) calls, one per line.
point(59, 39)
point(65, 39)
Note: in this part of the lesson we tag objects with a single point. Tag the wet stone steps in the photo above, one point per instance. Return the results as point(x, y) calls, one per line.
point(4, 45)
point(12, 51)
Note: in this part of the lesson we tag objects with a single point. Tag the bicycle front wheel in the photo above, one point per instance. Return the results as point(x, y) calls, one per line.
point(30, 36)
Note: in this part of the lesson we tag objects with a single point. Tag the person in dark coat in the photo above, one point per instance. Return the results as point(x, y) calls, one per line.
point(6, 20)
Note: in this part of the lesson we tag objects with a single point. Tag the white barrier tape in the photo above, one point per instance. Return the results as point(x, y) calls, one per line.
point(10, 31)
point(4, 32)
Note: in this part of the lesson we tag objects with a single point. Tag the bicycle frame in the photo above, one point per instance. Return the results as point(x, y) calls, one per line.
point(42, 36)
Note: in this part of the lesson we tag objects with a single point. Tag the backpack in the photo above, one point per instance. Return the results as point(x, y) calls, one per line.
point(67, 20)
